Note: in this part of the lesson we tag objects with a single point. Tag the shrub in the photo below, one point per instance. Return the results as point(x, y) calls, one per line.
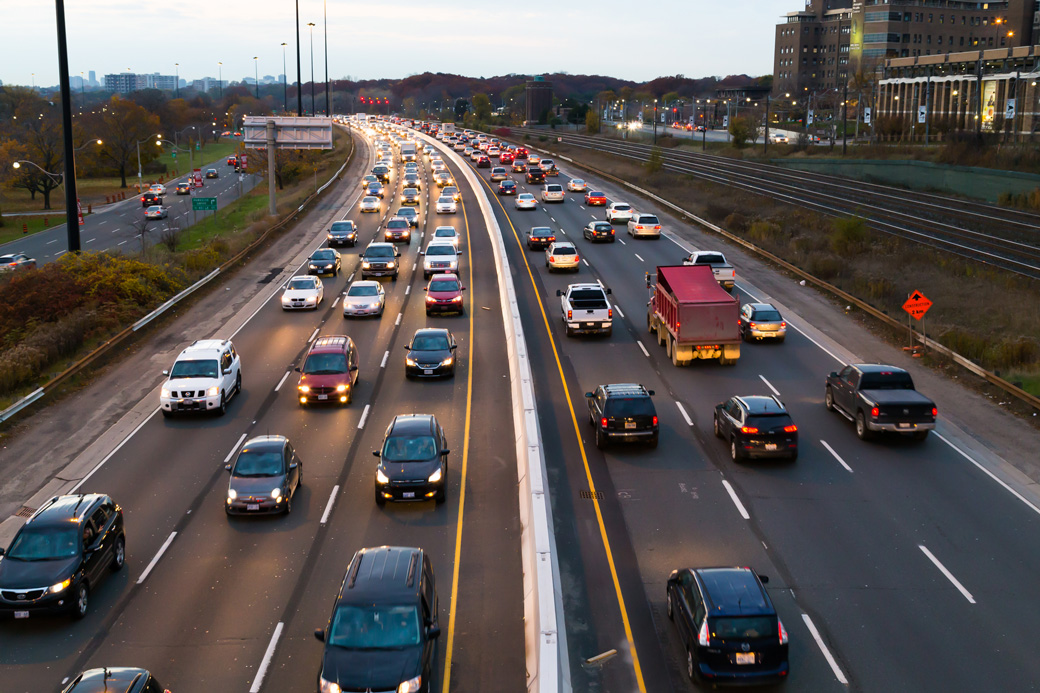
point(763, 232)
point(736, 222)
point(824, 266)
point(655, 162)
point(503, 132)
point(848, 235)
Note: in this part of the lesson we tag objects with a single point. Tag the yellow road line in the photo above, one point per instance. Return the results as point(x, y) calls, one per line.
point(465, 460)
point(584, 457)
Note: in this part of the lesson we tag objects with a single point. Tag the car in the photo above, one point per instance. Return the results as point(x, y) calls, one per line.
point(446, 205)
point(382, 172)
point(411, 180)
point(562, 255)
point(623, 412)
point(493, 151)
point(453, 192)
point(761, 321)
point(446, 233)
point(535, 175)
point(343, 232)
point(880, 399)
point(548, 166)
point(380, 260)
point(756, 426)
point(483, 161)
point(370, 204)
point(410, 215)
point(440, 257)
point(324, 261)
point(778, 138)
point(330, 371)
point(16, 261)
point(183, 188)
point(431, 353)
point(232, 160)
point(158, 188)
point(595, 199)
point(265, 476)
point(552, 192)
point(728, 626)
point(505, 157)
point(442, 178)
point(468, 151)
point(410, 196)
point(382, 633)
point(156, 212)
point(521, 153)
point(599, 231)
point(376, 190)
point(211, 173)
point(303, 292)
point(204, 377)
point(397, 229)
point(525, 201)
point(540, 237)
point(60, 554)
point(413, 460)
point(533, 160)
point(110, 679)
point(519, 165)
point(577, 185)
point(507, 187)
point(499, 173)
point(367, 180)
point(619, 212)
point(364, 297)
point(151, 198)
point(644, 225)
point(444, 294)
point(411, 167)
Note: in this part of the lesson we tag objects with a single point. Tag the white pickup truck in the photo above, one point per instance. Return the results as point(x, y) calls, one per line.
point(586, 309)
point(724, 273)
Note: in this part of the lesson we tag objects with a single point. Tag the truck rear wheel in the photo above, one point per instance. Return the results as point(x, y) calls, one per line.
point(674, 348)
point(862, 432)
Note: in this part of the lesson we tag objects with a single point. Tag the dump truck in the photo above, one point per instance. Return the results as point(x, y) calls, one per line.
point(692, 316)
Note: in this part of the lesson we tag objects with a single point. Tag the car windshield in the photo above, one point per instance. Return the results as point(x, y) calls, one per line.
point(343, 226)
point(440, 250)
point(629, 406)
point(526, 196)
point(444, 285)
point(596, 194)
point(406, 212)
point(397, 224)
point(565, 250)
point(302, 284)
point(766, 316)
point(44, 544)
point(258, 462)
point(374, 627)
point(379, 252)
point(371, 200)
point(362, 290)
point(743, 627)
point(409, 448)
point(710, 258)
point(541, 231)
point(603, 226)
point(325, 364)
point(622, 208)
point(508, 184)
point(324, 255)
point(195, 369)
point(430, 342)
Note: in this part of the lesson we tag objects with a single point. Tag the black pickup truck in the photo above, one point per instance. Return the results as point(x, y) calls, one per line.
point(880, 398)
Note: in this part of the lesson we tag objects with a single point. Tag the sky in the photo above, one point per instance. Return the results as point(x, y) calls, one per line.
point(695, 38)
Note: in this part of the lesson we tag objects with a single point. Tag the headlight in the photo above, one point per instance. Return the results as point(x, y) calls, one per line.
point(329, 236)
point(276, 493)
point(213, 391)
point(409, 361)
point(374, 305)
point(364, 265)
point(164, 392)
point(447, 362)
point(341, 388)
point(61, 585)
point(431, 299)
point(410, 686)
point(382, 478)
point(436, 476)
point(390, 265)
point(314, 267)
point(304, 388)
point(457, 299)
point(328, 686)
point(232, 494)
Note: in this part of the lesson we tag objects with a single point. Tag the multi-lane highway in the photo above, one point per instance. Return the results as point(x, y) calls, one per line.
point(118, 225)
point(895, 565)
point(210, 603)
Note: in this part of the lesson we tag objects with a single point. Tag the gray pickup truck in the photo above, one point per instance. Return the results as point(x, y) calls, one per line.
point(880, 398)
point(724, 273)
point(586, 309)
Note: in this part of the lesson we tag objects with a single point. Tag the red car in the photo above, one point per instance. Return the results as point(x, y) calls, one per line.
point(521, 153)
point(444, 294)
point(505, 157)
point(232, 160)
point(595, 199)
point(330, 372)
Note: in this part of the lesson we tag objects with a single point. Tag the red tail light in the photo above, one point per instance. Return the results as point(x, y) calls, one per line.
point(552, 239)
point(752, 325)
point(570, 314)
point(612, 232)
point(610, 312)
point(552, 258)
point(782, 631)
point(576, 258)
point(875, 412)
point(783, 325)
point(703, 637)
point(603, 422)
point(935, 412)
point(655, 420)
point(790, 429)
point(748, 429)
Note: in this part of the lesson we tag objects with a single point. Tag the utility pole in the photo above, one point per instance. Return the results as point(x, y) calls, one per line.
point(927, 106)
point(299, 77)
point(328, 98)
point(313, 104)
point(765, 141)
point(256, 76)
point(71, 200)
point(845, 117)
point(285, 82)
point(176, 80)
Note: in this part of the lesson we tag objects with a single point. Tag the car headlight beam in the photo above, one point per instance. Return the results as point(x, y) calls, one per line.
point(382, 478)
point(60, 586)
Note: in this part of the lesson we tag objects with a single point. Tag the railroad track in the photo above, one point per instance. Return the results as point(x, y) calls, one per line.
point(985, 233)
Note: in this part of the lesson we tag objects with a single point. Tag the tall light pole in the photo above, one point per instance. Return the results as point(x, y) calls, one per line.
point(158, 143)
point(328, 109)
point(299, 78)
point(311, 25)
point(256, 75)
point(655, 121)
point(176, 80)
point(71, 200)
point(285, 82)
point(220, 78)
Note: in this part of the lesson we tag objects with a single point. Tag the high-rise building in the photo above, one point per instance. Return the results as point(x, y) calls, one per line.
point(92, 76)
point(121, 82)
point(539, 93)
point(126, 82)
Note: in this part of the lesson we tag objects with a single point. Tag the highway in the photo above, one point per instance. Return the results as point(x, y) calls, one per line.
point(894, 565)
point(112, 226)
point(210, 603)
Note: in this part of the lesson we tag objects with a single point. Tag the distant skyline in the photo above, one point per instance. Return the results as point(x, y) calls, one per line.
point(696, 38)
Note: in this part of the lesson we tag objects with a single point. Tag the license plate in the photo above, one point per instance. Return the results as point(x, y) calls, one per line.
point(21, 614)
point(252, 506)
point(630, 424)
point(427, 371)
point(903, 425)
point(408, 494)
point(590, 324)
point(744, 657)
point(770, 446)
point(323, 396)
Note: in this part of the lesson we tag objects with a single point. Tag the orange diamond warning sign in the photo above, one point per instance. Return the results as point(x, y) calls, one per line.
point(917, 305)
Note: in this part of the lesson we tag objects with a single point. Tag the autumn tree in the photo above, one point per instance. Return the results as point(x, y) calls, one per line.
point(482, 107)
point(592, 122)
point(122, 125)
point(37, 130)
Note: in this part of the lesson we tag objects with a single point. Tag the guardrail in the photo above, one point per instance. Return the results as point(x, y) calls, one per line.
point(543, 612)
point(124, 334)
point(959, 359)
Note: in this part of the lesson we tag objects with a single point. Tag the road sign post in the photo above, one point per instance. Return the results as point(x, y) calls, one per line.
point(916, 305)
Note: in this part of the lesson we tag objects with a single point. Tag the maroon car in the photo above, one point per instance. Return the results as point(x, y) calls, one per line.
point(444, 294)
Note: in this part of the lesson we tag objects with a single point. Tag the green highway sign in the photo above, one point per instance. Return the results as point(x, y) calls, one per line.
point(204, 204)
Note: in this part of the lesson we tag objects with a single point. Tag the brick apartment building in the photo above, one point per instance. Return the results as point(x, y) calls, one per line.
point(818, 48)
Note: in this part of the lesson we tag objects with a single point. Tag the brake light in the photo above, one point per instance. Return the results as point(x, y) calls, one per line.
point(790, 429)
point(552, 239)
point(570, 314)
point(748, 429)
point(655, 420)
point(576, 258)
point(603, 422)
point(935, 412)
point(752, 325)
point(703, 637)
point(610, 313)
point(875, 412)
point(783, 631)
point(612, 232)
point(783, 325)
point(552, 258)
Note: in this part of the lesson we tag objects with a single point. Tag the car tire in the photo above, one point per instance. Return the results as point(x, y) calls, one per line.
point(793, 457)
point(601, 440)
point(118, 554)
point(222, 409)
point(715, 425)
point(442, 495)
point(690, 671)
point(166, 414)
point(734, 454)
point(81, 605)
point(288, 504)
point(828, 400)
point(669, 609)
point(380, 501)
point(238, 383)
point(862, 432)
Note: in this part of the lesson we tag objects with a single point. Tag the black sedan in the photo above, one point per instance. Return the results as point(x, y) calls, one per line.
point(431, 353)
point(599, 231)
point(324, 261)
point(756, 426)
point(264, 478)
point(540, 237)
point(507, 187)
point(413, 460)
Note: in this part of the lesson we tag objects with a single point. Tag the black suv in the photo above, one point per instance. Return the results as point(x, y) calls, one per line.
point(112, 679)
point(413, 460)
point(60, 554)
point(622, 412)
point(728, 626)
point(382, 634)
point(756, 427)
point(151, 198)
point(535, 175)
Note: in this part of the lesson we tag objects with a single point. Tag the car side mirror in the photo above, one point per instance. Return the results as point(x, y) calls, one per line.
point(559, 293)
point(407, 347)
point(3, 551)
point(609, 292)
point(433, 632)
point(650, 392)
point(421, 253)
point(445, 452)
point(462, 289)
point(353, 368)
point(375, 453)
point(453, 347)
point(426, 288)
point(227, 467)
point(167, 373)
point(589, 395)
point(227, 371)
point(294, 465)
point(319, 633)
point(833, 374)
point(297, 369)
point(764, 579)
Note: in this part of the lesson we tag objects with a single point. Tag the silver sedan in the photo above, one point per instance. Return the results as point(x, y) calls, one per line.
point(364, 297)
point(370, 204)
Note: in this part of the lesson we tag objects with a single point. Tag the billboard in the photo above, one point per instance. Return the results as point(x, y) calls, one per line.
point(989, 104)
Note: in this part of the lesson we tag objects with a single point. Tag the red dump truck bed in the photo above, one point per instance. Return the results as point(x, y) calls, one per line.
point(694, 307)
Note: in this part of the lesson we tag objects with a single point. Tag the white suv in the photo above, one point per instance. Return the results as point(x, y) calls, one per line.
point(552, 192)
point(619, 212)
point(203, 378)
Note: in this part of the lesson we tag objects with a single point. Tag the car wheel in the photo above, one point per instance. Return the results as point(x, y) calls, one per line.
point(689, 666)
point(222, 409)
point(601, 440)
point(82, 602)
point(862, 432)
point(380, 501)
point(793, 457)
point(119, 554)
point(715, 425)
point(733, 452)
point(828, 400)
point(288, 504)
point(166, 414)
point(668, 606)
point(238, 383)
point(442, 494)
point(653, 442)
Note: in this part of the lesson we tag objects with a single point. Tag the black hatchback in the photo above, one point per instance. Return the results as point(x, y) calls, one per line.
point(756, 427)
point(113, 679)
point(728, 626)
point(264, 478)
point(431, 353)
point(60, 554)
point(623, 412)
point(413, 460)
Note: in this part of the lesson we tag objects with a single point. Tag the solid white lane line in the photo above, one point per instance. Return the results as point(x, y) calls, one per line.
point(585, 261)
point(385, 357)
point(836, 455)
point(988, 473)
point(266, 662)
point(593, 216)
point(350, 278)
point(619, 311)
point(156, 557)
point(282, 381)
point(640, 258)
point(948, 574)
point(769, 385)
point(231, 454)
point(622, 242)
point(838, 674)
point(554, 220)
point(736, 501)
point(407, 289)
point(313, 334)
point(335, 301)
point(364, 415)
point(328, 506)
point(682, 410)
point(398, 321)
point(643, 348)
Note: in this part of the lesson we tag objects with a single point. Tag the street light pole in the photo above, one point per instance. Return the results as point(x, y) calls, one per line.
point(256, 75)
point(220, 78)
point(328, 98)
point(285, 82)
point(313, 110)
point(71, 200)
point(299, 78)
point(177, 80)
point(655, 121)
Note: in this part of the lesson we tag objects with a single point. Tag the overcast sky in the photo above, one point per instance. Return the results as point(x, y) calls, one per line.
point(623, 39)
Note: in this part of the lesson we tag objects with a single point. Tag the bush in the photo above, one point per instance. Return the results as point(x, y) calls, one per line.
point(848, 235)
point(735, 222)
point(824, 266)
point(655, 162)
point(503, 132)
point(765, 232)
